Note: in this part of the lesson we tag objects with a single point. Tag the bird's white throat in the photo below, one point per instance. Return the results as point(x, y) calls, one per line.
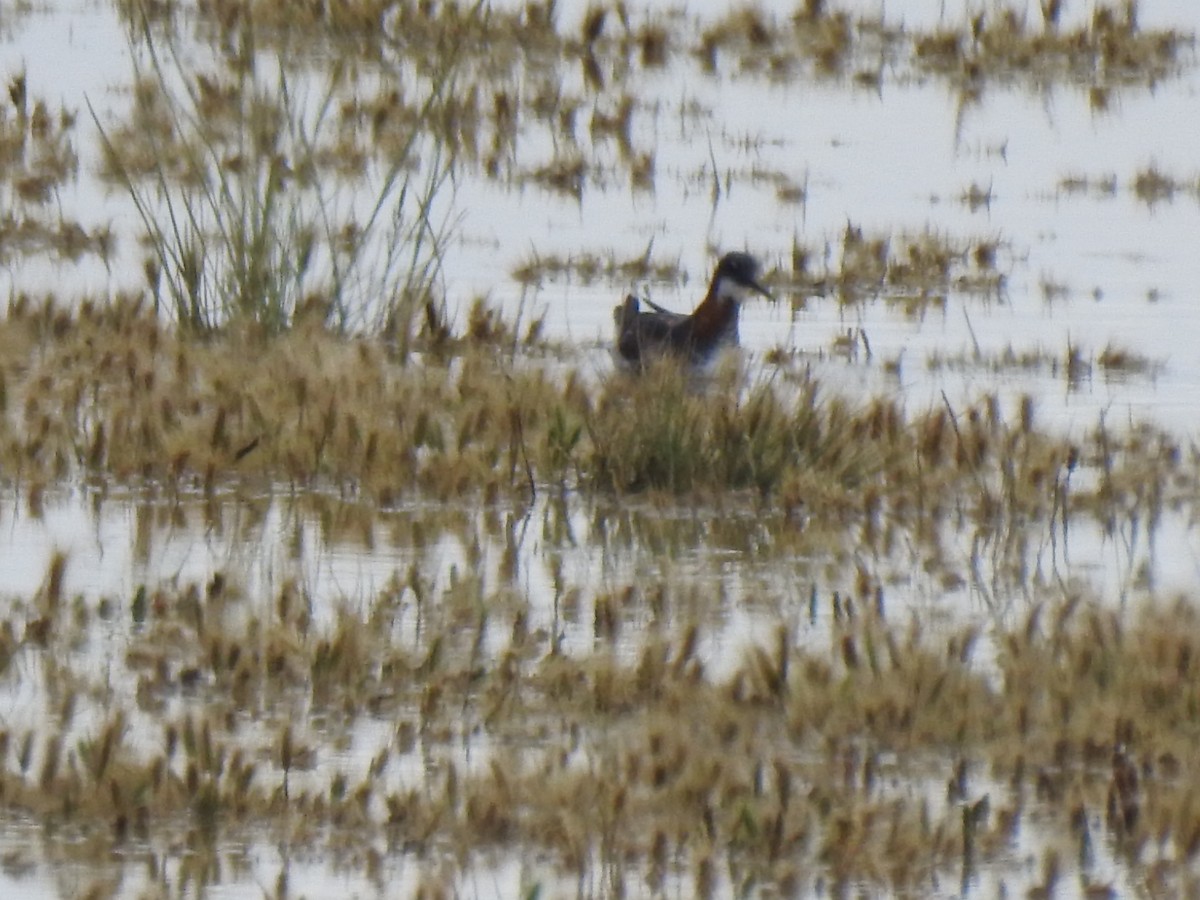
point(729, 290)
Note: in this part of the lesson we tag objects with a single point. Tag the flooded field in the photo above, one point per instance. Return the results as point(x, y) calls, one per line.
point(338, 557)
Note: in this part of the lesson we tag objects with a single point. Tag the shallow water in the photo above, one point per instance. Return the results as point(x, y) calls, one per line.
point(894, 155)
point(1087, 269)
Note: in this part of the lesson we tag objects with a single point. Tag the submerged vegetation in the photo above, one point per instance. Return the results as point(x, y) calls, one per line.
point(282, 338)
point(784, 768)
point(423, 88)
point(38, 158)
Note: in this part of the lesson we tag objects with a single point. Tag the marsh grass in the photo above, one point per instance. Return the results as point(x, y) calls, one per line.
point(669, 429)
point(1109, 49)
point(590, 268)
point(111, 392)
point(520, 63)
point(915, 270)
point(785, 763)
point(38, 158)
point(790, 765)
point(627, 740)
point(238, 180)
point(1072, 364)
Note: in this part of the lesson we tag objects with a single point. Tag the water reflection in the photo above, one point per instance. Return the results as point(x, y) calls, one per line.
point(326, 648)
point(338, 549)
point(341, 664)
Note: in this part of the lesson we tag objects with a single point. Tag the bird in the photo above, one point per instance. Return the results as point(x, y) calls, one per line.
point(695, 337)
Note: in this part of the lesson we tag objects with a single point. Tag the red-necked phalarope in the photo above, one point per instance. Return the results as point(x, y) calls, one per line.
point(642, 336)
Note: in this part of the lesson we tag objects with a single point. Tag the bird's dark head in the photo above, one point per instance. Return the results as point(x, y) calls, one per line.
point(737, 275)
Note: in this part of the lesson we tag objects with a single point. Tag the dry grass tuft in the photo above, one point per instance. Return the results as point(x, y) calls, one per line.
point(793, 765)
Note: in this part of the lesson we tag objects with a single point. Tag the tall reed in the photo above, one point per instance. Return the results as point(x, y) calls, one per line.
point(258, 205)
